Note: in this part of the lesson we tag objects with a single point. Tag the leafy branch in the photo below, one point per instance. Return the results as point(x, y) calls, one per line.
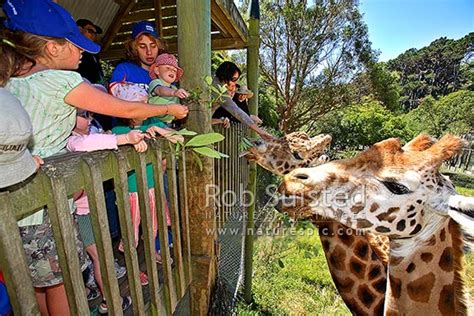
point(213, 94)
point(199, 145)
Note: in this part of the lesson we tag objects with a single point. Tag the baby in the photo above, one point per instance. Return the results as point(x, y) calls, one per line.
point(164, 72)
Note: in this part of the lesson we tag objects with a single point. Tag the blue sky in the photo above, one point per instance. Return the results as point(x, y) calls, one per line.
point(398, 25)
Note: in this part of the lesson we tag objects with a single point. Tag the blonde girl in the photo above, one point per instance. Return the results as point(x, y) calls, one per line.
point(42, 38)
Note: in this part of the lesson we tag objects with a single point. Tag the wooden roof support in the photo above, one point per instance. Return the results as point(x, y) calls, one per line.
point(158, 17)
point(194, 48)
point(125, 7)
point(252, 80)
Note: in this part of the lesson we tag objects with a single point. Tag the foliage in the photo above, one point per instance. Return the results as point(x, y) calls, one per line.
point(362, 125)
point(308, 54)
point(460, 180)
point(291, 277)
point(433, 70)
point(453, 113)
point(199, 144)
point(380, 83)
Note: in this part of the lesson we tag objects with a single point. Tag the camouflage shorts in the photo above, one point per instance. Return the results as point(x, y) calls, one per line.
point(41, 253)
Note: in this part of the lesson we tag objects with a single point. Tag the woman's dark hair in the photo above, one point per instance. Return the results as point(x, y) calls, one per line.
point(226, 70)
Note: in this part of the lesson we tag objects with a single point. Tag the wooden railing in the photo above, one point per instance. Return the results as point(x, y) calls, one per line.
point(52, 186)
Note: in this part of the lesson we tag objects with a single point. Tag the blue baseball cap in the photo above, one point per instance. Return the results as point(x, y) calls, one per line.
point(45, 18)
point(144, 27)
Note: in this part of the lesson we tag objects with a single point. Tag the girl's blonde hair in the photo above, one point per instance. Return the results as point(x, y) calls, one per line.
point(131, 47)
point(19, 52)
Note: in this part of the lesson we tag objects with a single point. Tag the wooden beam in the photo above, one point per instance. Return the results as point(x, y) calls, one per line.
point(232, 13)
point(252, 81)
point(158, 16)
point(194, 50)
point(117, 51)
point(117, 23)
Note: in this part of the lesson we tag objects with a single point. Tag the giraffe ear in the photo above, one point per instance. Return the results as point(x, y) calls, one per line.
point(447, 147)
point(461, 209)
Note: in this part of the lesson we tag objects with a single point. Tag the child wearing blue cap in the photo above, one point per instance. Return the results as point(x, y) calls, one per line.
point(44, 39)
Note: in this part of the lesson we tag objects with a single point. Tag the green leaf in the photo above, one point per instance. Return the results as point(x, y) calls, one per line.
point(204, 139)
point(208, 152)
point(185, 132)
point(223, 155)
point(280, 263)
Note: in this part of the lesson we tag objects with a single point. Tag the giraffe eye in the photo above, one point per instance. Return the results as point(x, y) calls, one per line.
point(297, 155)
point(396, 188)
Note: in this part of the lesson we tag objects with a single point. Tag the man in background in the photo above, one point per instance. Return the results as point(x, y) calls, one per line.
point(89, 67)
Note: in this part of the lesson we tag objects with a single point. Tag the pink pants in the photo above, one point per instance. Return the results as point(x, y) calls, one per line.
point(135, 212)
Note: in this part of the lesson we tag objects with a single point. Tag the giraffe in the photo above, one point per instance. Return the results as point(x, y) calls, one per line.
point(297, 150)
point(294, 150)
point(398, 192)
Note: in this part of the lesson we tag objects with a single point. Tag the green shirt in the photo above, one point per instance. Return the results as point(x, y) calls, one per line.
point(42, 95)
point(132, 177)
point(153, 98)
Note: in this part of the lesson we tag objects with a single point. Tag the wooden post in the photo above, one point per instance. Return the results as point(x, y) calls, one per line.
point(252, 80)
point(194, 51)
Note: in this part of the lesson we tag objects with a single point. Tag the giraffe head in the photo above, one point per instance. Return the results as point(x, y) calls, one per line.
point(388, 189)
point(295, 150)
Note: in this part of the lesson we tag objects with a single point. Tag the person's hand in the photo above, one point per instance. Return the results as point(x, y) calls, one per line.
point(181, 93)
point(177, 110)
point(167, 133)
point(38, 162)
point(256, 119)
point(141, 146)
point(135, 136)
point(225, 122)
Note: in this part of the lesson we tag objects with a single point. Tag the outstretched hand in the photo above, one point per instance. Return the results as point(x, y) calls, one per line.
point(167, 133)
point(141, 146)
point(181, 93)
point(177, 110)
point(135, 136)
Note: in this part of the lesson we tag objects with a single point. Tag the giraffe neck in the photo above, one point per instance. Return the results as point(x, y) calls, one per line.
point(356, 269)
point(424, 272)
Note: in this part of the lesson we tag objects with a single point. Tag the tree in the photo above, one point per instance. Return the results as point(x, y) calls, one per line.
point(381, 83)
point(308, 54)
point(433, 70)
point(362, 125)
point(453, 113)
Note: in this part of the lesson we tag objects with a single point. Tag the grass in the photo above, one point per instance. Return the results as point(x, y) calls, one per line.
point(291, 276)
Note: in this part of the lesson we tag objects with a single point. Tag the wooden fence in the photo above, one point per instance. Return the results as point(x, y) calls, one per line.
point(63, 175)
point(52, 186)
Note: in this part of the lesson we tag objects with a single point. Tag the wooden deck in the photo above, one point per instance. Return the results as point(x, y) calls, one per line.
point(183, 309)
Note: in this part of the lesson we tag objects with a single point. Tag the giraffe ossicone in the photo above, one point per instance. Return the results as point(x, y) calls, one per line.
point(410, 202)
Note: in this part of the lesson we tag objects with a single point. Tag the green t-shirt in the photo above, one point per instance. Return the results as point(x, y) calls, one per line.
point(132, 177)
point(153, 98)
point(42, 95)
